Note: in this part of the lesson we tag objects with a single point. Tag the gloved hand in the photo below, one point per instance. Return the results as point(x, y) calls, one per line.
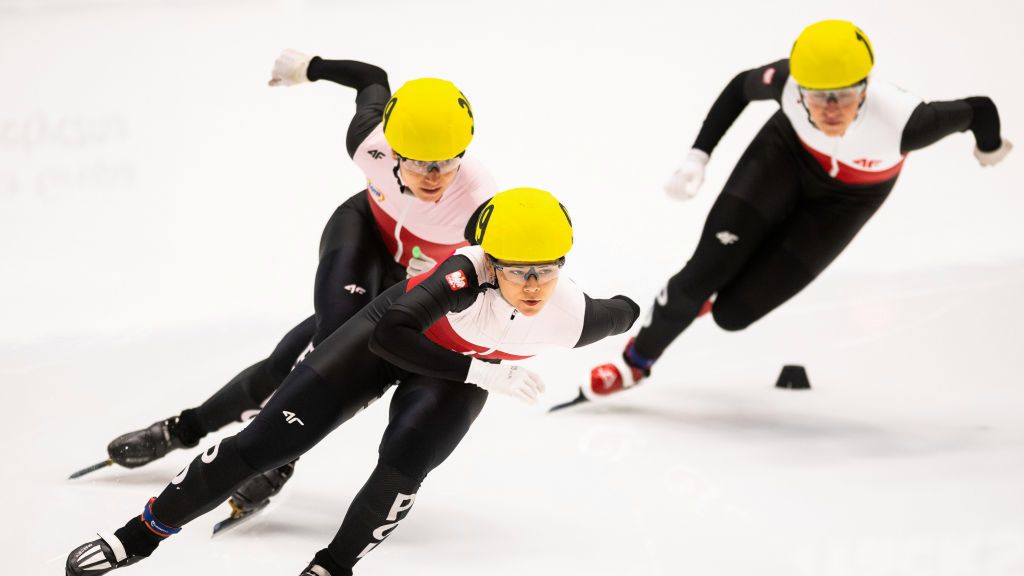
point(290, 68)
point(994, 157)
point(507, 379)
point(419, 263)
point(684, 184)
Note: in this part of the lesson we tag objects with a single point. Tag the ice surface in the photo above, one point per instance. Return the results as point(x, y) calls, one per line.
point(161, 210)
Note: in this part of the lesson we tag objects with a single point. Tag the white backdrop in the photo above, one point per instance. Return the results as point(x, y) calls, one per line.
point(149, 177)
point(161, 208)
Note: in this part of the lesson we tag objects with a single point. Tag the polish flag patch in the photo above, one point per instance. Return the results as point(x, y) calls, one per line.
point(767, 76)
point(457, 280)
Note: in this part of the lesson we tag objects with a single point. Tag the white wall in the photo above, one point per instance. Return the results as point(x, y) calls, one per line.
point(149, 178)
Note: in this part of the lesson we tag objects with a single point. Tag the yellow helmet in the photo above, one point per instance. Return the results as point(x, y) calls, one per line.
point(524, 225)
point(831, 54)
point(428, 119)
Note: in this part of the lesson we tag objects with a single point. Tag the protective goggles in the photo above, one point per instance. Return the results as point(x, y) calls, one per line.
point(424, 167)
point(520, 274)
point(841, 96)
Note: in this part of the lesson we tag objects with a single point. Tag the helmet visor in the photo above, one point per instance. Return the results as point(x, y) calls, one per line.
point(520, 274)
point(841, 96)
point(424, 167)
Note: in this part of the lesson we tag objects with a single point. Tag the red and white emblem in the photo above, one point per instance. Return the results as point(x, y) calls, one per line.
point(864, 162)
point(457, 280)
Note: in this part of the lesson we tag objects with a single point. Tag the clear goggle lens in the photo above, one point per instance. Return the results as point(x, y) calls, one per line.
point(425, 166)
point(842, 96)
point(521, 274)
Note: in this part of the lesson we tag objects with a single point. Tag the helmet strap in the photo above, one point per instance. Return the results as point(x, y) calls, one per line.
point(401, 187)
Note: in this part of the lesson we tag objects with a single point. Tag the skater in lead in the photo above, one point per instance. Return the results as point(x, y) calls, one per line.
point(811, 178)
point(421, 191)
point(442, 337)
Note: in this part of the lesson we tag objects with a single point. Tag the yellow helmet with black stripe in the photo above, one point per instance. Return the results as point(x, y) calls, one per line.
point(524, 225)
point(831, 54)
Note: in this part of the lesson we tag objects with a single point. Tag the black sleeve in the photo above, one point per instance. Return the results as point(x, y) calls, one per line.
point(372, 93)
point(603, 318)
point(398, 337)
point(933, 121)
point(764, 83)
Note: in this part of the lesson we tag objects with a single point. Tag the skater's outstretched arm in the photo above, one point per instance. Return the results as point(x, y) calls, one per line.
point(372, 93)
point(607, 317)
point(369, 81)
point(933, 121)
point(764, 83)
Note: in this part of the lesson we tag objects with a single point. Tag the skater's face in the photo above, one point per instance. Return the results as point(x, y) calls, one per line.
point(833, 111)
point(527, 286)
point(431, 186)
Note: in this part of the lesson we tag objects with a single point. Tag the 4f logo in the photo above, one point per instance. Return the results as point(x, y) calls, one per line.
point(353, 289)
point(727, 238)
point(376, 154)
point(865, 163)
point(291, 418)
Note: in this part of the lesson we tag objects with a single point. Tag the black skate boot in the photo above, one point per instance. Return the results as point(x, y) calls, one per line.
point(98, 557)
point(141, 447)
point(254, 494)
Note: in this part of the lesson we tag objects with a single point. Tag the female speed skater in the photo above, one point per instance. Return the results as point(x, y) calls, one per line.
point(812, 177)
point(441, 338)
point(420, 192)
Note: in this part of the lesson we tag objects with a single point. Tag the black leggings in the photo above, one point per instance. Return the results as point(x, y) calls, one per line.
point(778, 223)
point(354, 268)
point(428, 419)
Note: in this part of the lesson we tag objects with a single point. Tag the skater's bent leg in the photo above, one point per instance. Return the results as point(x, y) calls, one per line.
point(775, 276)
point(761, 192)
point(285, 355)
point(731, 234)
point(351, 267)
point(808, 241)
point(429, 417)
point(304, 410)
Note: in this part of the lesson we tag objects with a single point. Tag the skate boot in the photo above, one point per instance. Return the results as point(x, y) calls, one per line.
point(98, 557)
point(141, 447)
point(620, 374)
point(254, 494)
point(616, 376)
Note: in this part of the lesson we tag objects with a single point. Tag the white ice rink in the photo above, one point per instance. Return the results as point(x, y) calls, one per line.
point(160, 210)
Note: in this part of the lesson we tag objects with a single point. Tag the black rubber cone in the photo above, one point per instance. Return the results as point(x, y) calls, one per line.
point(793, 377)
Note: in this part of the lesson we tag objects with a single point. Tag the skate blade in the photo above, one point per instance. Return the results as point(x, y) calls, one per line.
point(581, 399)
point(234, 521)
point(92, 468)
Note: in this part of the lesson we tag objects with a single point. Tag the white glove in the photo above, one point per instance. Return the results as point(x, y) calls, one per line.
point(687, 179)
point(508, 379)
point(290, 68)
point(419, 263)
point(994, 157)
